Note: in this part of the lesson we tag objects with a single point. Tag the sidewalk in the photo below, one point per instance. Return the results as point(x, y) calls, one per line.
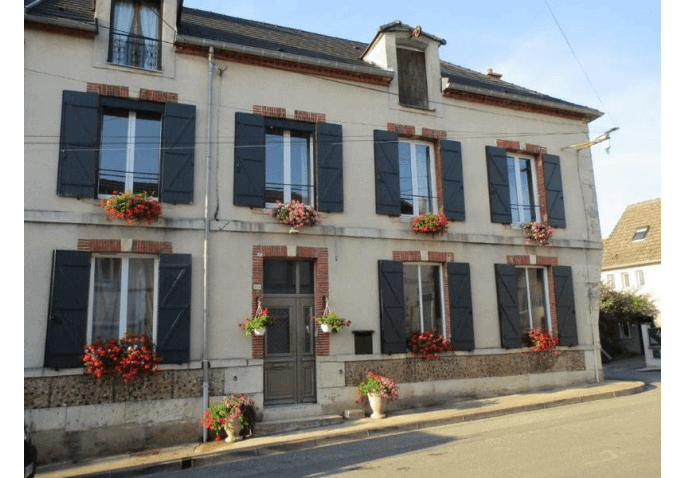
point(196, 455)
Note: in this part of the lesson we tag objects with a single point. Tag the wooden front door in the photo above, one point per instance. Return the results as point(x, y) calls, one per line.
point(289, 364)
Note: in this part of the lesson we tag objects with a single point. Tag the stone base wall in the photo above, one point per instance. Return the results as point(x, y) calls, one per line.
point(413, 370)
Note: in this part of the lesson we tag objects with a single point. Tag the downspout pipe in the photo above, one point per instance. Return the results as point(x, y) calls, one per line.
point(208, 159)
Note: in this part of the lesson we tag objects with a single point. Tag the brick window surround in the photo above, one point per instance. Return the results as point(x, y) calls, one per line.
point(544, 261)
point(135, 246)
point(537, 153)
point(432, 257)
point(320, 256)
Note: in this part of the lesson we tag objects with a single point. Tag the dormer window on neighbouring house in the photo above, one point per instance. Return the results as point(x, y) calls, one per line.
point(135, 34)
point(412, 86)
point(640, 234)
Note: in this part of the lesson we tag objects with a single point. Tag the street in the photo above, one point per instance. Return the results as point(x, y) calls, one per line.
point(603, 438)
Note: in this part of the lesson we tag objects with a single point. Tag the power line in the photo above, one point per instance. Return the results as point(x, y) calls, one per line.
point(578, 61)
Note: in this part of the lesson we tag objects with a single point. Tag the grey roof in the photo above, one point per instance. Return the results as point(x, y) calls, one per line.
point(273, 40)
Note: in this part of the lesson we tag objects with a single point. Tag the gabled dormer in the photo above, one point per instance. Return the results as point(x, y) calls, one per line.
point(137, 35)
point(413, 55)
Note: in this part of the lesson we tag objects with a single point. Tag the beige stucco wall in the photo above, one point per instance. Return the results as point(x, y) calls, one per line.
point(356, 239)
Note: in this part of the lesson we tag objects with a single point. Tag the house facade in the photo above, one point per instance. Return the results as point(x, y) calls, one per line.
point(632, 261)
point(219, 118)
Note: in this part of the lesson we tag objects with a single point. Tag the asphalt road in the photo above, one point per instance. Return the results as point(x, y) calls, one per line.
point(604, 438)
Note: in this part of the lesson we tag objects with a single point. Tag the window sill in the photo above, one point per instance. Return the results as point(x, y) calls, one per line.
point(134, 68)
point(417, 108)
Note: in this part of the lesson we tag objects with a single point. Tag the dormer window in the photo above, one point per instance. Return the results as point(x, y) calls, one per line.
point(412, 86)
point(135, 34)
point(640, 234)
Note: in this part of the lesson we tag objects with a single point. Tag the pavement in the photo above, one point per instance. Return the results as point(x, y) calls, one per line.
point(192, 455)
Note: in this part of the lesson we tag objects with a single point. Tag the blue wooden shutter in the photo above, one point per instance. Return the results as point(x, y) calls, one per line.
point(329, 167)
point(387, 170)
point(564, 303)
point(174, 308)
point(249, 161)
point(392, 302)
point(553, 188)
point(461, 317)
point(498, 185)
point(79, 144)
point(453, 185)
point(508, 306)
point(178, 153)
point(68, 311)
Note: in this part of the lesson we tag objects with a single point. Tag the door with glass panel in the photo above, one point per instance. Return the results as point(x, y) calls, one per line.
point(289, 364)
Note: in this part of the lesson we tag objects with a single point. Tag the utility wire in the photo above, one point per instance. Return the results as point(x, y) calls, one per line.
point(579, 62)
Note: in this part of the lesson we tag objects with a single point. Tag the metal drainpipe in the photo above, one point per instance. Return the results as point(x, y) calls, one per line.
point(205, 362)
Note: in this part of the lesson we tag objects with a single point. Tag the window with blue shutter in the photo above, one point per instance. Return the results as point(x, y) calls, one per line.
point(110, 144)
point(392, 305)
point(120, 288)
point(453, 183)
point(508, 306)
point(283, 160)
point(564, 301)
point(461, 317)
point(553, 187)
point(498, 185)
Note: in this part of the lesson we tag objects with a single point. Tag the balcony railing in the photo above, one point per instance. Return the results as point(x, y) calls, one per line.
point(135, 50)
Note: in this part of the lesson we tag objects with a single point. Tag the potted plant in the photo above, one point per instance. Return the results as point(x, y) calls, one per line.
point(256, 324)
point(538, 232)
point(234, 416)
point(295, 214)
point(428, 345)
point(377, 389)
point(430, 224)
point(132, 356)
point(331, 322)
point(133, 208)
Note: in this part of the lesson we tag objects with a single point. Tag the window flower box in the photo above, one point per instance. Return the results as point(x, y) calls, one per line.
point(130, 357)
point(428, 345)
point(430, 224)
point(538, 232)
point(295, 214)
point(133, 208)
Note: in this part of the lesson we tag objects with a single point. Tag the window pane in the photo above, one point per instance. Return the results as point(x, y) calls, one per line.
point(423, 179)
point(279, 277)
point(115, 130)
point(306, 277)
point(430, 298)
point(538, 299)
point(523, 300)
point(512, 180)
point(140, 296)
point(106, 298)
point(147, 155)
point(412, 300)
point(300, 176)
point(405, 163)
point(274, 166)
point(526, 184)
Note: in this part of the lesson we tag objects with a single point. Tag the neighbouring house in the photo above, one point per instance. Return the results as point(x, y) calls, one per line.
point(631, 261)
point(220, 118)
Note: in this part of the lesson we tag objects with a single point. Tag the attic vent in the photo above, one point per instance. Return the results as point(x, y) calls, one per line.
point(640, 234)
point(491, 74)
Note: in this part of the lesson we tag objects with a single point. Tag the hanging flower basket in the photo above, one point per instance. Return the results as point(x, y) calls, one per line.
point(133, 208)
point(130, 357)
point(538, 232)
point(428, 345)
point(256, 324)
point(430, 224)
point(295, 214)
point(331, 322)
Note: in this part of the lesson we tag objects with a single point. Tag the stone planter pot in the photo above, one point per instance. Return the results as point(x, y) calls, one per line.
point(233, 430)
point(378, 405)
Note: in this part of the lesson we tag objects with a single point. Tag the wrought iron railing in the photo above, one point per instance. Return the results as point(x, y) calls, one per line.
point(135, 50)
